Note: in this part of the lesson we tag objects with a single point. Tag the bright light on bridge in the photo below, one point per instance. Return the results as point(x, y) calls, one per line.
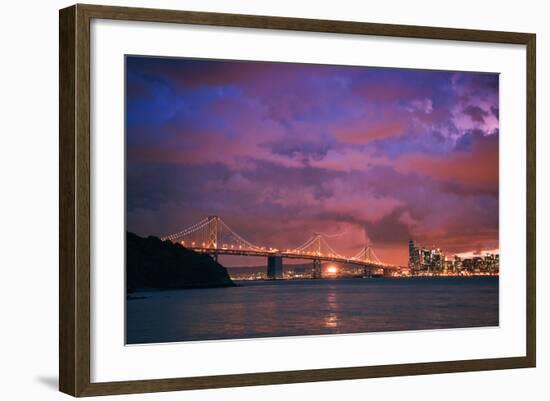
point(332, 270)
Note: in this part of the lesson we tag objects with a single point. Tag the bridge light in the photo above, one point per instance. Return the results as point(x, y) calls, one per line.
point(332, 270)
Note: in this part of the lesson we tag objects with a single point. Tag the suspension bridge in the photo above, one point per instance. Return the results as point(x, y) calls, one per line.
point(213, 236)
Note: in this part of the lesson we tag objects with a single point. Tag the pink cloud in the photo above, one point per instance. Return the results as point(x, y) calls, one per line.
point(371, 130)
point(477, 167)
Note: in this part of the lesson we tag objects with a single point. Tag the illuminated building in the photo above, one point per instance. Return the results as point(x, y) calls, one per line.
point(414, 257)
point(425, 259)
point(432, 261)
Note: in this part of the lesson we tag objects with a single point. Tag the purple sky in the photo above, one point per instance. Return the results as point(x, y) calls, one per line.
point(280, 151)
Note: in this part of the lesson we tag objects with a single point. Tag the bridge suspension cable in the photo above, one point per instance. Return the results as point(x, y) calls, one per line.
point(189, 230)
point(332, 252)
point(367, 254)
point(241, 241)
point(213, 235)
point(318, 245)
point(306, 244)
point(211, 232)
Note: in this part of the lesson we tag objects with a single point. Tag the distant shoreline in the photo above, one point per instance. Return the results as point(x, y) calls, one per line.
point(372, 277)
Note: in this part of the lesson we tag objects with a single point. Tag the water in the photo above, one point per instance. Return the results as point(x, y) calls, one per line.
point(312, 307)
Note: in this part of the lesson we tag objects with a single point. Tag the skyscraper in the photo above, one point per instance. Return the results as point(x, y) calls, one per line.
point(414, 257)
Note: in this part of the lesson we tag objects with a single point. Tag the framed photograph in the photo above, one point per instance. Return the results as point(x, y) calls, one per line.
point(250, 200)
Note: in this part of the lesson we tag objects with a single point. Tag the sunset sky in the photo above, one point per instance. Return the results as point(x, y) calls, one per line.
point(281, 151)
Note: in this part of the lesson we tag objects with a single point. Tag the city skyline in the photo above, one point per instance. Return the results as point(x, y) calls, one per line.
point(364, 155)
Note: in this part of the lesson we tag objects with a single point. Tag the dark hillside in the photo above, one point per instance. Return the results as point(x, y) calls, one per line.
point(155, 264)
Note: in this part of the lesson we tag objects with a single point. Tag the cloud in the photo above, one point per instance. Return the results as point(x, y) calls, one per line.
point(474, 163)
point(390, 229)
point(283, 150)
point(371, 130)
point(424, 105)
point(476, 113)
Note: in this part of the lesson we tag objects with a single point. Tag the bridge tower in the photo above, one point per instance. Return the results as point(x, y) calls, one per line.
point(317, 273)
point(317, 244)
point(367, 258)
point(275, 267)
point(213, 235)
point(367, 272)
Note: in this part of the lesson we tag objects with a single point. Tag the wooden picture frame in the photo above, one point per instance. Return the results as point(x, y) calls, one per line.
point(74, 204)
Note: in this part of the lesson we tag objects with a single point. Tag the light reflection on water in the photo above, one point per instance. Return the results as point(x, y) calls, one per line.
point(331, 319)
point(309, 307)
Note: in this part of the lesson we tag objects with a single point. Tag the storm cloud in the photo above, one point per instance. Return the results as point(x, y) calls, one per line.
point(281, 150)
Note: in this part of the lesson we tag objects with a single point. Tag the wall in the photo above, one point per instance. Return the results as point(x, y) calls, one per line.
point(29, 184)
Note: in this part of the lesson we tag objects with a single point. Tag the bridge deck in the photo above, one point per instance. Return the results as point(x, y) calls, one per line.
point(291, 255)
